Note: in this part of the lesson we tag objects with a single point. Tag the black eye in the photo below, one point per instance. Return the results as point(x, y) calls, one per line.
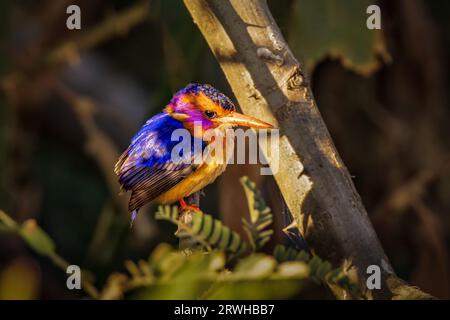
point(210, 114)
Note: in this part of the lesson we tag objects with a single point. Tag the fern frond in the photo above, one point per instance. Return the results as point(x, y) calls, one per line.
point(282, 253)
point(320, 270)
point(260, 216)
point(204, 229)
point(167, 213)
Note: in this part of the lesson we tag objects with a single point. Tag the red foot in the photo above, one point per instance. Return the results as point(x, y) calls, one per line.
point(184, 206)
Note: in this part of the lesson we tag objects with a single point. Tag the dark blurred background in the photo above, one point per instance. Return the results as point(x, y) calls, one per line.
point(72, 100)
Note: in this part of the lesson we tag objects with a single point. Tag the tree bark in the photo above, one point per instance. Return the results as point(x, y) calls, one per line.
point(270, 84)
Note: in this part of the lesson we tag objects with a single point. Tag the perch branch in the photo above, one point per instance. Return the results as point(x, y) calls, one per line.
point(269, 83)
point(193, 199)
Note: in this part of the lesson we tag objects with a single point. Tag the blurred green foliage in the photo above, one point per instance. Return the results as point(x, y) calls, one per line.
point(205, 276)
point(323, 28)
point(220, 272)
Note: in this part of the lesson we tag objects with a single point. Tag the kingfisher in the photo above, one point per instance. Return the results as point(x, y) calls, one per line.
point(147, 167)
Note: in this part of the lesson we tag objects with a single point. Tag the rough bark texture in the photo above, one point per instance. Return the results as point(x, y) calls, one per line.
point(269, 83)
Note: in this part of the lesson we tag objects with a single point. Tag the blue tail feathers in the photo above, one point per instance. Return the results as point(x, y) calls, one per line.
point(133, 217)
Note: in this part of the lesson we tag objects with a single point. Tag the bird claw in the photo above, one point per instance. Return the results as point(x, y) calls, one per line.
point(186, 207)
point(191, 207)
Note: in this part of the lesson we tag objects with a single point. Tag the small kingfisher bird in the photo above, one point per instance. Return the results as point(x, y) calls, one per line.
point(146, 167)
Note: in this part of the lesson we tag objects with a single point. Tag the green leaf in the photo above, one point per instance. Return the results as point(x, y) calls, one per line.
point(7, 221)
point(335, 28)
point(167, 213)
point(207, 226)
point(215, 236)
point(31, 233)
point(293, 269)
point(224, 238)
point(260, 216)
point(37, 238)
point(256, 266)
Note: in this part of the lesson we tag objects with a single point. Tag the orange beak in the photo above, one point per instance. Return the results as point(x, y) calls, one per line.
point(239, 119)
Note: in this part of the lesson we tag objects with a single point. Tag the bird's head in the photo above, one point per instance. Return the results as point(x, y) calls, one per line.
point(202, 104)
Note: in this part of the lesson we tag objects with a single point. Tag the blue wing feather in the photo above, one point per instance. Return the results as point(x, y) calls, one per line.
point(146, 167)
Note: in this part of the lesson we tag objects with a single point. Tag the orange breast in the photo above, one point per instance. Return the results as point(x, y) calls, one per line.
point(205, 174)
